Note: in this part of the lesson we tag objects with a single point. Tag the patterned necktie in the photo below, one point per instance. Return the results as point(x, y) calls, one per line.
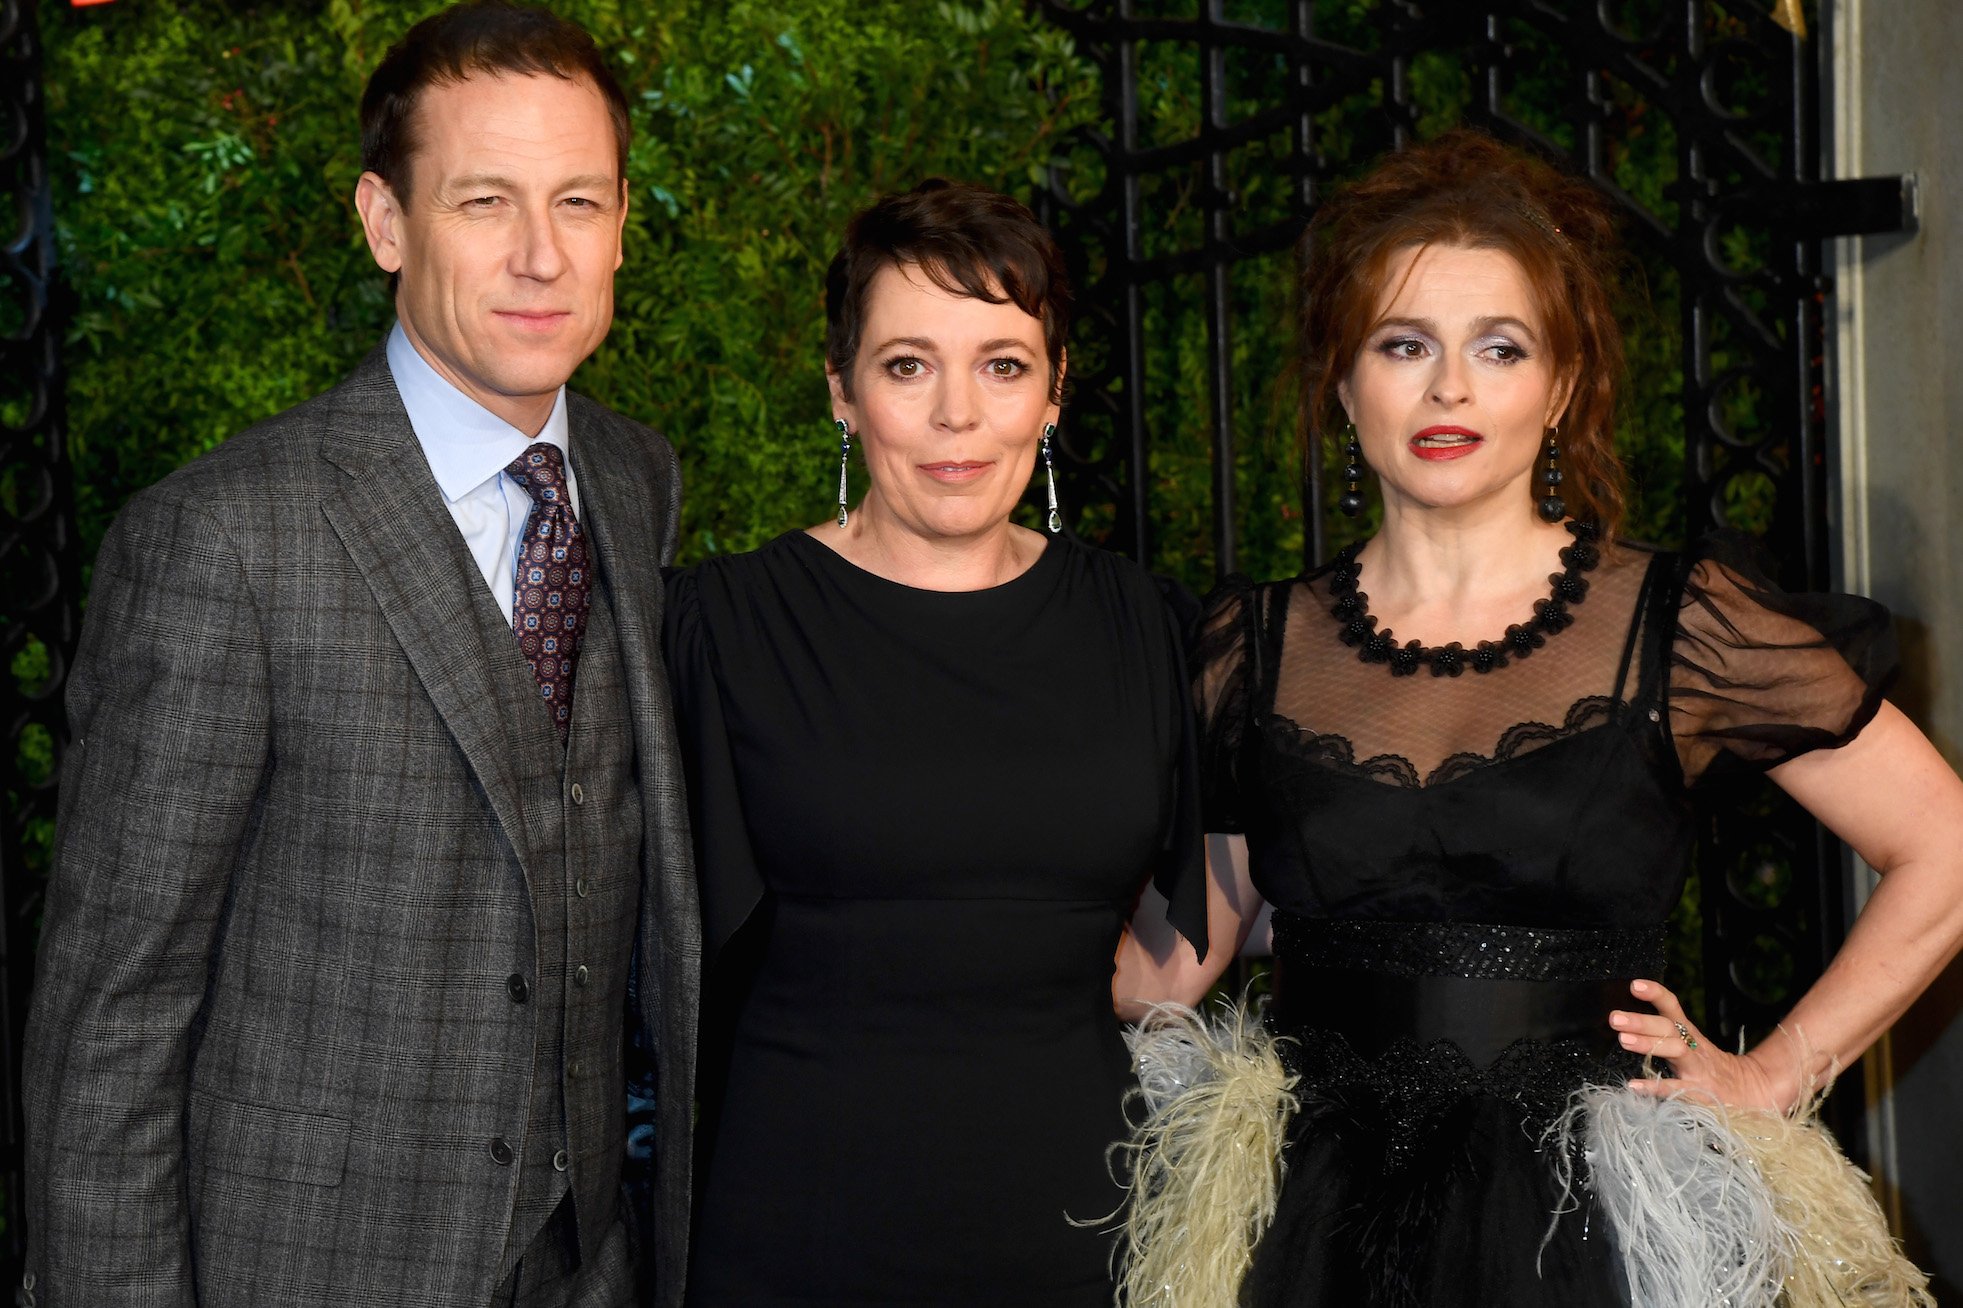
point(548, 604)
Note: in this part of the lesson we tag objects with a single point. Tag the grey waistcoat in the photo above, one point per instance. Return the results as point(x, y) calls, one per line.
point(586, 808)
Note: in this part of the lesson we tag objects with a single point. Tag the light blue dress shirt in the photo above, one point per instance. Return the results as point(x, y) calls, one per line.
point(468, 447)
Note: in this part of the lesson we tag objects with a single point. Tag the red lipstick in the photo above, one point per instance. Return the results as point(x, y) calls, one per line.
point(1435, 444)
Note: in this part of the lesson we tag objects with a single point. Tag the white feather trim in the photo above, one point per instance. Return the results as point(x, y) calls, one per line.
point(1205, 1164)
point(1744, 1207)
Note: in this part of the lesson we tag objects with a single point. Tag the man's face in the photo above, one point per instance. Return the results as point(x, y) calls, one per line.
point(508, 239)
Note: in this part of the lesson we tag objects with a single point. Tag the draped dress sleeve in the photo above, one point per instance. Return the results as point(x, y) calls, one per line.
point(731, 883)
point(1180, 873)
point(1223, 675)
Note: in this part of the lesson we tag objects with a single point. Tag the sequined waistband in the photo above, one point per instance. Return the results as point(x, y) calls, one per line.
point(1480, 950)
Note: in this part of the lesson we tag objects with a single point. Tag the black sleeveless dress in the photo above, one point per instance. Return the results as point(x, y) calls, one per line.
point(1470, 853)
point(922, 819)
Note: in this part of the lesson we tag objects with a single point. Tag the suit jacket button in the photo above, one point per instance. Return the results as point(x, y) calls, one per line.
point(520, 992)
point(581, 886)
point(579, 795)
point(572, 1070)
point(500, 1151)
point(580, 976)
point(561, 1161)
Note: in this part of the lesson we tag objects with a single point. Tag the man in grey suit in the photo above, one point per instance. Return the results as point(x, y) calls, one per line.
point(372, 811)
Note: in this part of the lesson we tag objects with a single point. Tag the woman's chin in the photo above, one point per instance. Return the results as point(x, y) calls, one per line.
point(955, 519)
point(1443, 498)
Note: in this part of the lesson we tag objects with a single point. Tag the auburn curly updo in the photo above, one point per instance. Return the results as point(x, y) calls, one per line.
point(1466, 189)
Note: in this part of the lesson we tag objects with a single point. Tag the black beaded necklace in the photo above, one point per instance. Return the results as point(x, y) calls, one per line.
point(1359, 626)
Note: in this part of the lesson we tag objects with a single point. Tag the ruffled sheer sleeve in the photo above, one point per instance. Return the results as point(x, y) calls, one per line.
point(1223, 676)
point(731, 885)
point(1758, 676)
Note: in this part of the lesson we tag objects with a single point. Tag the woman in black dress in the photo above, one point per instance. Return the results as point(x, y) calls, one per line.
point(934, 757)
point(1473, 831)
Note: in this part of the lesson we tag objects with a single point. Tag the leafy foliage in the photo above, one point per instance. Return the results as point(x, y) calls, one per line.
point(205, 159)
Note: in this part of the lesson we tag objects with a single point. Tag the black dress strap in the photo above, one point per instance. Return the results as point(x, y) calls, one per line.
point(1656, 607)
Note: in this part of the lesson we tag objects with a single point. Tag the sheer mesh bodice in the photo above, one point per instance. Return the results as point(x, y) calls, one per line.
point(1549, 790)
point(1448, 726)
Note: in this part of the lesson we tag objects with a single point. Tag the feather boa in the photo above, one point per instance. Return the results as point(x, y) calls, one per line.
point(1205, 1164)
point(1743, 1207)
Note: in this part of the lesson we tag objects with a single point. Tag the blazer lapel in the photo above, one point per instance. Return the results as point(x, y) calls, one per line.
point(613, 510)
point(623, 504)
point(628, 510)
point(391, 518)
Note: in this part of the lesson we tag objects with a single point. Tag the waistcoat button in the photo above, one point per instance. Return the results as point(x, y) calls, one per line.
point(561, 1161)
point(580, 976)
point(500, 1151)
point(519, 991)
point(580, 887)
point(579, 795)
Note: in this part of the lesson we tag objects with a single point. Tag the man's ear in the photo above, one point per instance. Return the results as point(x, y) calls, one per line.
point(620, 231)
point(381, 220)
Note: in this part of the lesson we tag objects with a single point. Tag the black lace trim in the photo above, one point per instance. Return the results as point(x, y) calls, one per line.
point(1479, 950)
point(1405, 1098)
point(1337, 752)
point(1358, 626)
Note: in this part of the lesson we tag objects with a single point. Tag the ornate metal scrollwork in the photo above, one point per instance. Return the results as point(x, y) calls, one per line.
point(1172, 196)
point(39, 572)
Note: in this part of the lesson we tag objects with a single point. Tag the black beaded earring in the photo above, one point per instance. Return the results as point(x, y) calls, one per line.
point(1351, 502)
point(1055, 520)
point(844, 450)
point(1552, 507)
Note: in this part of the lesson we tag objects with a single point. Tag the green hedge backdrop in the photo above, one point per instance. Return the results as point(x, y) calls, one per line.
point(204, 156)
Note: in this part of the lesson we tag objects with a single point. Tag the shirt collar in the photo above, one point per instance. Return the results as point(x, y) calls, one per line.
point(466, 444)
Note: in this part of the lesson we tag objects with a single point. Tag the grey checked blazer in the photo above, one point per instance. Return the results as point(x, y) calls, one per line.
point(271, 1019)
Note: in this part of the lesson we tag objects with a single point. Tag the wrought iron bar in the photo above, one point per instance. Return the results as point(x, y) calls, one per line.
point(1218, 201)
point(39, 562)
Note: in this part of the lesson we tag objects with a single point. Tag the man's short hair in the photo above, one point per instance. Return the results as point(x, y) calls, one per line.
point(492, 37)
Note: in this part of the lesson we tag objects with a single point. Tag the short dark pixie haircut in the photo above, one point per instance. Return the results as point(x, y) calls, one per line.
point(969, 241)
point(493, 37)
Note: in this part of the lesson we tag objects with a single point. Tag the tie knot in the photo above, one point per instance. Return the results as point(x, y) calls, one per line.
point(541, 470)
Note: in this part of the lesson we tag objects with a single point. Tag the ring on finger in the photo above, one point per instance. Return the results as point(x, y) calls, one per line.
point(1690, 1041)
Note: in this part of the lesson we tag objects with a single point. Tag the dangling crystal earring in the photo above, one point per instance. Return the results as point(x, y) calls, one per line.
point(1049, 466)
point(844, 450)
point(1552, 507)
point(1351, 502)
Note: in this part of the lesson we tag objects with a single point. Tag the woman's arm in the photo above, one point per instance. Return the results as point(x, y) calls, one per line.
point(1897, 803)
point(1157, 965)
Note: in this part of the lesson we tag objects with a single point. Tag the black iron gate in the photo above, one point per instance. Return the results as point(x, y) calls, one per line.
point(39, 563)
point(1225, 120)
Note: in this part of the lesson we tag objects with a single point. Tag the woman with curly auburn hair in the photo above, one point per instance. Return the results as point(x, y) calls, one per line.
point(1456, 762)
